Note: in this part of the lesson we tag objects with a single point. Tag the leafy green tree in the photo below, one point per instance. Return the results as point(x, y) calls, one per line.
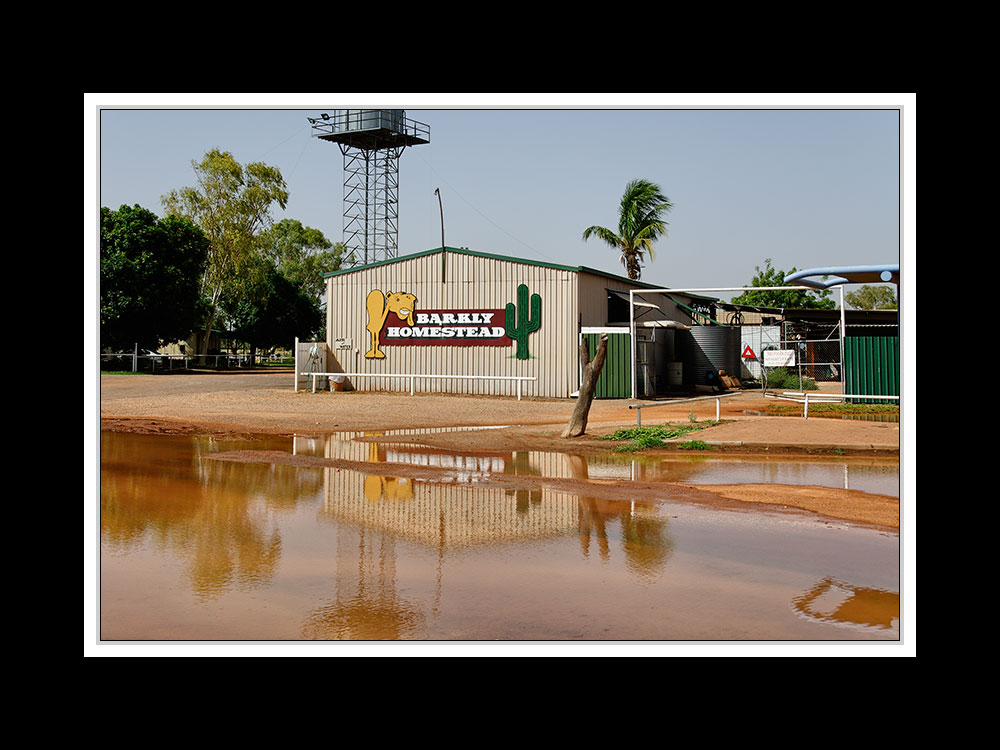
point(151, 271)
point(232, 204)
point(302, 254)
point(273, 311)
point(640, 224)
point(870, 297)
point(787, 298)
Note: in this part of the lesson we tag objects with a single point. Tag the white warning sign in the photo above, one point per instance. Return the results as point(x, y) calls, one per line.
point(779, 358)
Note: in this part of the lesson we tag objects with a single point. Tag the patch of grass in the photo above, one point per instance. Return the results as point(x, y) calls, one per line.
point(653, 436)
point(696, 445)
point(778, 410)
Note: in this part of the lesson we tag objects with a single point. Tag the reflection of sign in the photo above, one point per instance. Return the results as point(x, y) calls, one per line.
point(446, 328)
point(748, 353)
point(779, 358)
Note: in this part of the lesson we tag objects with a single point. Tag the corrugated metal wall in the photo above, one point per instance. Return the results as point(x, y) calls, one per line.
point(615, 380)
point(872, 365)
point(462, 282)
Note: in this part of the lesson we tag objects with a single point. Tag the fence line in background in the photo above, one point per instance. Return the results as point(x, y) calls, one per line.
point(800, 397)
point(240, 359)
point(413, 376)
point(822, 398)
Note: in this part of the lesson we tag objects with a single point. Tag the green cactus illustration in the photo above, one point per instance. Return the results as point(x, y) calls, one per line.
point(521, 322)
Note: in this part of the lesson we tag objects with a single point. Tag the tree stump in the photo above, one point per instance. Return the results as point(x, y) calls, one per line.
point(591, 372)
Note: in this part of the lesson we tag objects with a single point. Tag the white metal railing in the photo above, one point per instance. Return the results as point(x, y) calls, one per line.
point(640, 407)
point(413, 376)
point(804, 398)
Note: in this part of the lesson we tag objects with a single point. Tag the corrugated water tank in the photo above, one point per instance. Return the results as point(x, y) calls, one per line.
point(707, 350)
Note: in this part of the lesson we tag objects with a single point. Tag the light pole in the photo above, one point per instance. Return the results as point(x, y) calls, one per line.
point(437, 192)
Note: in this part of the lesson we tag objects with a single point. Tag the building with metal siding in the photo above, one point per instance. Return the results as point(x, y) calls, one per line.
point(472, 288)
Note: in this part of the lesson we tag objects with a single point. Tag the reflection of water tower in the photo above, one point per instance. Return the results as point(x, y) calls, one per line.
point(371, 140)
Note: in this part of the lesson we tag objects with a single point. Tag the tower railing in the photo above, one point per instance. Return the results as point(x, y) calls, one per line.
point(342, 124)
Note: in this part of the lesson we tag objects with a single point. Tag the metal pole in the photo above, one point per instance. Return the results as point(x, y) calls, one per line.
point(444, 260)
point(437, 192)
point(843, 341)
point(631, 328)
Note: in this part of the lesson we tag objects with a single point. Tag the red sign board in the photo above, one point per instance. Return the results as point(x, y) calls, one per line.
point(748, 353)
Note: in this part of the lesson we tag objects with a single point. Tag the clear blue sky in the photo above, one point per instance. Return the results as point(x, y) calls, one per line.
point(805, 187)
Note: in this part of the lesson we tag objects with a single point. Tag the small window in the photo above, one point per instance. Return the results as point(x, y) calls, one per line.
point(617, 307)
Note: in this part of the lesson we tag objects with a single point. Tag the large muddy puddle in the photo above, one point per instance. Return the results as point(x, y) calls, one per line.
point(198, 549)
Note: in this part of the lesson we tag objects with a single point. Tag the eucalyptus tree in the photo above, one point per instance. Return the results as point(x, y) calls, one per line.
point(232, 204)
point(302, 254)
point(869, 297)
point(640, 224)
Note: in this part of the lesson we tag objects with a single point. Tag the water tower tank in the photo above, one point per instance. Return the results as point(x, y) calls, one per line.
point(349, 120)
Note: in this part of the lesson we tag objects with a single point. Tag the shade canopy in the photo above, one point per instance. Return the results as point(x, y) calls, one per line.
point(824, 278)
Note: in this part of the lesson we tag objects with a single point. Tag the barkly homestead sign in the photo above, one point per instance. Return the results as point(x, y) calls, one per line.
point(449, 327)
point(393, 319)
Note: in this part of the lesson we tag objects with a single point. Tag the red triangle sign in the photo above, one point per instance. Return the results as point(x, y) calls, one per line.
point(748, 353)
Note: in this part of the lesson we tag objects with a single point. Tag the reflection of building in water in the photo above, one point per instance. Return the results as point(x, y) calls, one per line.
point(449, 514)
point(456, 510)
point(373, 511)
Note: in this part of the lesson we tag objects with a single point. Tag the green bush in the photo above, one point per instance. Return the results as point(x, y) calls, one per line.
point(781, 378)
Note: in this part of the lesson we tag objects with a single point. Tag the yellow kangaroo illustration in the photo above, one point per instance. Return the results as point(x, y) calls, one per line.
point(379, 306)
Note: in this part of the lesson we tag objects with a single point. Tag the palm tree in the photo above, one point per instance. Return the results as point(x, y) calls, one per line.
point(640, 222)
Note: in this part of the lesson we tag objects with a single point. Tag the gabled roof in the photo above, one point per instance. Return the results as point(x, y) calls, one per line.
point(511, 259)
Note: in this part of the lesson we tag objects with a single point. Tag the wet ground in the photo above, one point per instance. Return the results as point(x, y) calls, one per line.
point(193, 548)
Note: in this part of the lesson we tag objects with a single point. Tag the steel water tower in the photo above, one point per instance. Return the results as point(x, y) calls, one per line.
point(371, 140)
